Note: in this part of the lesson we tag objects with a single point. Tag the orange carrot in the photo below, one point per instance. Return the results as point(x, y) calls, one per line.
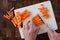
point(44, 11)
point(19, 19)
point(37, 20)
point(11, 9)
point(25, 14)
point(6, 16)
point(14, 21)
point(11, 14)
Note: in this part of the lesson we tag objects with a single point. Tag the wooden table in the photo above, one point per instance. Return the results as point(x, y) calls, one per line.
point(8, 31)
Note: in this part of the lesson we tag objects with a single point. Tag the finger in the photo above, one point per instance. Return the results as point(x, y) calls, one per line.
point(31, 27)
point(51, 32)
point(49, 36)
point(25, 27)
point(37, 30)
point(28, 24)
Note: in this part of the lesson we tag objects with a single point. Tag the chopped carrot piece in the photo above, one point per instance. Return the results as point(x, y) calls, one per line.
point(11, 9)
point(19, 19)
point(18, 16)
point(11, 14)
point(37, 20)
point(21, 16)
point(14, 21)
point(6, 16)
point(19, 24)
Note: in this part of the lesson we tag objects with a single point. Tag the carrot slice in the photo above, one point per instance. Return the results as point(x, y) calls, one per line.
point(19, 24)
point(14, 21)
point(19, 19)
point(21, 16)
point(37, 20)
point(25, 14)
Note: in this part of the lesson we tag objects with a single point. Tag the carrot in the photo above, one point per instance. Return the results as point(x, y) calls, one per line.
point(11, 9)
point(14, 21)
point(37, 20)
point(44, 11)
point(21, 16)
point(25, 14)
point(6, 16)
point(19, 19)
point(18, 16)
point(19, 24)
point(11, 14)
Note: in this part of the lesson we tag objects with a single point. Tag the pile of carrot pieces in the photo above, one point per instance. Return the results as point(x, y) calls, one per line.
point(9, 14)
point(20, 16)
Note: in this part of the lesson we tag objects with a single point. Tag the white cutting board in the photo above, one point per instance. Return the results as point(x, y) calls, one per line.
point(34, 10)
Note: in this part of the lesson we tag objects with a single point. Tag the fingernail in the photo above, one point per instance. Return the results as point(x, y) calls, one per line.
point(29, 21)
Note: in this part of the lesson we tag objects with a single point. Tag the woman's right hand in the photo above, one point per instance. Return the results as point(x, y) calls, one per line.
point(52, 34)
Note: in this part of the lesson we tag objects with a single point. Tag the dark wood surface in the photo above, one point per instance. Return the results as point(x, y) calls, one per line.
point(8, 31)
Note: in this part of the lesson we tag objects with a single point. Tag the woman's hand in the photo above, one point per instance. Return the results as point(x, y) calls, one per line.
point(52, 34)
point(30, 31)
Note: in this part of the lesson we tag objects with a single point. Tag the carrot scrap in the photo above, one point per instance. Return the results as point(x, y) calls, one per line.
point(37, 20)
point(44, 11)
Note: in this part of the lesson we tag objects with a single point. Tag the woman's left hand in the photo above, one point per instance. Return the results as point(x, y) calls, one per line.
point(30, 31)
